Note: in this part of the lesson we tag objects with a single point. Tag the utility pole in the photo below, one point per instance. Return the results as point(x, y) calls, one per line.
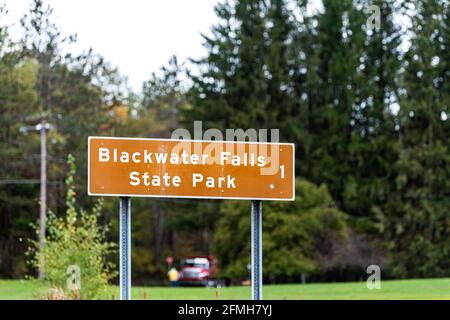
point(43, 195)
point(42, 127)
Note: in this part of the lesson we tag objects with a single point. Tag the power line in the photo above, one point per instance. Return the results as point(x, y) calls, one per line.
point(25, 181)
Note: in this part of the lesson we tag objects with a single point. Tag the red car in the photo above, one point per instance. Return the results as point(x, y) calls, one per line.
point(199, 271)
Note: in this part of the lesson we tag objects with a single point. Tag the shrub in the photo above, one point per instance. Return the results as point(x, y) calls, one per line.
point(75, 242)
point(297, 235)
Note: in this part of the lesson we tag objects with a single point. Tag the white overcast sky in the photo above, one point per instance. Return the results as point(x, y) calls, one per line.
point(137, 36)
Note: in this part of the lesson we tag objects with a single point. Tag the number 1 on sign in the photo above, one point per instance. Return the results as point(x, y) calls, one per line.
point(282, 171)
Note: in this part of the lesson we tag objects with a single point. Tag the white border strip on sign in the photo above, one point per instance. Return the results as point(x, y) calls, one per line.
point(189, 197)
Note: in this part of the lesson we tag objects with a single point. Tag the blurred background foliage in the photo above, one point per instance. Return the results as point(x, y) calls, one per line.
point(367, 109)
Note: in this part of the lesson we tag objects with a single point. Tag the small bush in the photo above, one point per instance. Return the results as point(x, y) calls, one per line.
point(297, 235)
point(75, 242)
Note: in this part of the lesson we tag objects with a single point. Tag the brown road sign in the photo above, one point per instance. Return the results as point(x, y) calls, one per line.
point(190, 169)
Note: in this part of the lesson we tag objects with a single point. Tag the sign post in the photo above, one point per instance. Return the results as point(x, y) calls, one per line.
point(256, 250)
point(125, 248)
point(167, 168)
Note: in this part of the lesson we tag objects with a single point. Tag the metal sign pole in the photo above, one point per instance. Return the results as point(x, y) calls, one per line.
point(125, 248)
point(256, 250)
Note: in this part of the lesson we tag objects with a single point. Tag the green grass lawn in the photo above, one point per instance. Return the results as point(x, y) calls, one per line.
point(390, 289)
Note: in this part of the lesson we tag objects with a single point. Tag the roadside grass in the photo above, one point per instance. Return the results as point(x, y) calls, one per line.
point(390, 289)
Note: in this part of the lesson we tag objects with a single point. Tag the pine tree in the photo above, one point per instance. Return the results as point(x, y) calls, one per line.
point(334, 81)
point(280, 60)
point(18, 98)
point(418, 212)
point(164, 98)
point(230, 92)
point(73, 92)
point(374, 140)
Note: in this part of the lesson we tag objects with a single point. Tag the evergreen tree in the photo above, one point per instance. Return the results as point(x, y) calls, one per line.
point(230, 91)
point(418, 210)
point(335, 82)
point(74, 93)
point(280, 59)
point(164, 98)
point(374, 144)
point(18, 98)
